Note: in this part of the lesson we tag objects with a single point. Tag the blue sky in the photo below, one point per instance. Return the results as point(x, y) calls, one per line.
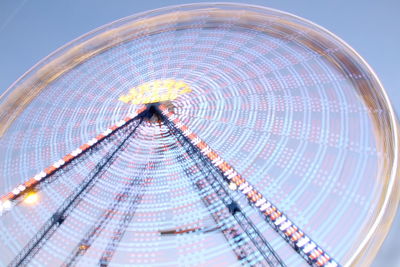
point(30, 30)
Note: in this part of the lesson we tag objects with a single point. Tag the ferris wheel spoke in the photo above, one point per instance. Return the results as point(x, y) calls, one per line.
point(246, 240)
point(132, 195)
point(128, 214)
point(49, 174)
point(70, 203)
point(286, 228)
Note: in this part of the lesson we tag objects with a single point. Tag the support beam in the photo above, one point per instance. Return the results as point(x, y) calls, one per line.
point(66, 208)
point(246, 240)
point(50, 173)
point(313, 254)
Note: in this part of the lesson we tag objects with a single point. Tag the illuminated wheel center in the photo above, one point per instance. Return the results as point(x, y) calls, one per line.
point(155, 92)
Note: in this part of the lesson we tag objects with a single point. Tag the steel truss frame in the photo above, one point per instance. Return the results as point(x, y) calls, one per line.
point(215, 175)
point(72, 201)
point(246, 240)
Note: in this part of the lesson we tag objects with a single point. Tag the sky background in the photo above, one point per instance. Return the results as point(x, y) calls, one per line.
point(32, 29)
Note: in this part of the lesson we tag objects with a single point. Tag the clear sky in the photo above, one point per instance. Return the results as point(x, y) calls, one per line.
point(32, 29)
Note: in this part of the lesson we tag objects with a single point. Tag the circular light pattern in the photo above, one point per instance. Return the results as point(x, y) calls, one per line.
point(291, 107)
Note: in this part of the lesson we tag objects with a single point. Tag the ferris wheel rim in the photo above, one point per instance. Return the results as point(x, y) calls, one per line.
point(392, 194)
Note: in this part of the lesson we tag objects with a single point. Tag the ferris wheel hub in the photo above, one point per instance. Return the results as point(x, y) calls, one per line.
point(156, 91)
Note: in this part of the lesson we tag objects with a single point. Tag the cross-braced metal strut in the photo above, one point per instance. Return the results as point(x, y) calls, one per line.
point(291, 233)
point(209, 173)
point(247, 242)
point(58, 217)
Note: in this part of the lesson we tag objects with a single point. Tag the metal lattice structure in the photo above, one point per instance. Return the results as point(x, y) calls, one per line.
point(247, 241)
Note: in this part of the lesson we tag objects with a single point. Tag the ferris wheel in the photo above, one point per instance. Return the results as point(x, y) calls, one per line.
point(204, 134)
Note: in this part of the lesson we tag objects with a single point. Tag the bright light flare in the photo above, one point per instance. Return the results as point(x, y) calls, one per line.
point(31, 198)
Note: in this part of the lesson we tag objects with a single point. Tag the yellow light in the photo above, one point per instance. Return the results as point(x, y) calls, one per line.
point(83, 247)
point(156, 91)
point(31, 198)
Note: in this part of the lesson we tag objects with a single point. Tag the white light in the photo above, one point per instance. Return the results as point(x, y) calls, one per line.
point(21, 187)
point(92, 142)
point(228, 172)
point(206, 150)
point(196, 141)
point(232, 186)
point(331, 264)
point(265, 206)
point(280, 220)
point(120, 123)
point(58, 163)
point(286, 225)
point(247, 189)
point(219, 162)
point(302, 241)
point(187, 132)
point(215, 160)
point(232, 175)
point(243, 186)
point(309, 247)
point(107, 132)
point(15, 191)
point(260, 202)
point(76, 152)
point(7, 205)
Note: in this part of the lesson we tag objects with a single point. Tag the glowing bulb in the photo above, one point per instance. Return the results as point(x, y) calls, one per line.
point(31, 198)
point(232, 186)
point(7, 205)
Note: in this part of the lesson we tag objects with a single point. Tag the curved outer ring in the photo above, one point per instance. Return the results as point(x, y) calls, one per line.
point(18, 96)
